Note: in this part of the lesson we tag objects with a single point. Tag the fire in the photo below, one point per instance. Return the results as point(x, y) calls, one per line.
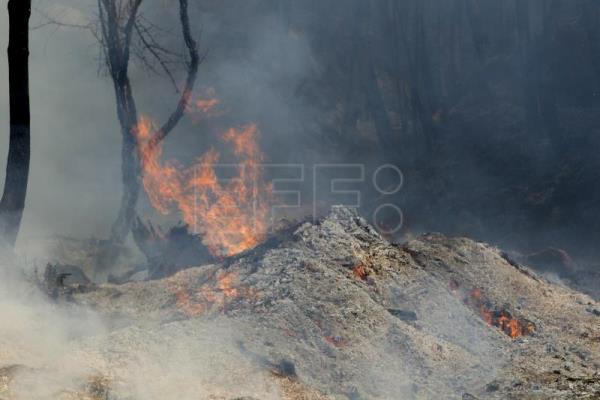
point(205, 107)
point(493, 316)
point(185, 304)
point(232, 216)
point(360, 272)
point(163, 181)
point(209, 296)
point(500, 318)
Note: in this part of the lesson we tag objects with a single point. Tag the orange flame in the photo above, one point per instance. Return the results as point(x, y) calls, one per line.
point(204, 107)
point(499, 318)
point(360, 272)
point(232, 216)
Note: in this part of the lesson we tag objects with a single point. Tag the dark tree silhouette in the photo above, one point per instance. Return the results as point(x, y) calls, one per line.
point(17, 166)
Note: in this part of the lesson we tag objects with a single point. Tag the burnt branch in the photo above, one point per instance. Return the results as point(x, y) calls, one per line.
point(192, 72)
point(154, 50)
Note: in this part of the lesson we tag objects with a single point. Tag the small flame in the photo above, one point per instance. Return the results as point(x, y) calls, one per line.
point(360, 272)
point(205, 107)
point(232, 216)
point(499, 318)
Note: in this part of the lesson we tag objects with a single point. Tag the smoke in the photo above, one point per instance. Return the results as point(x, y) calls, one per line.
point(185, 361)
point(37, 337)
point(301, 72)
point(48, 349)
point(74, 187)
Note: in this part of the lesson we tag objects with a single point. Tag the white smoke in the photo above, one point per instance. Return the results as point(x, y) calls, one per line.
point(51, 350)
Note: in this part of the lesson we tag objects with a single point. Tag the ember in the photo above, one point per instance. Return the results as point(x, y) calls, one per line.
point(360, 272)
point(500, 318)
point(224, 291)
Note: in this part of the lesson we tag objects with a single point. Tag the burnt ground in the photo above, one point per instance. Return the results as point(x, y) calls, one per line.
point(334, 311)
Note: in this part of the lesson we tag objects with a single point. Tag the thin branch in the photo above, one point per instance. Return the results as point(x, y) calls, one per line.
point(160, 60)
point(53, 21)
point(147, 28)
point(129, 27)
point(191, 76)
point(139, 52)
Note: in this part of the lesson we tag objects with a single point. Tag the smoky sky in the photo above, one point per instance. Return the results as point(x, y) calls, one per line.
point(488, 108)
point(74, 186)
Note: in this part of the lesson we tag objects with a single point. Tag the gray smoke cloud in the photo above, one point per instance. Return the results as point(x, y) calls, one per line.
point(74, 187)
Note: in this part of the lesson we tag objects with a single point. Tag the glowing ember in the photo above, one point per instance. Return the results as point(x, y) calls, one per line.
point(360, 272)
point(219, 294)
point(500, 318)
point(189, 307)
point(232, 216)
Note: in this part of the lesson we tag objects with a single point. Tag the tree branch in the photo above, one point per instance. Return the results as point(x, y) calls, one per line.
point(153, 51)
point(129, 27)
point(191, 76)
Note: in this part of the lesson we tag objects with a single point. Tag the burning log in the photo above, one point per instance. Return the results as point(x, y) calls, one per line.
point(168, 253)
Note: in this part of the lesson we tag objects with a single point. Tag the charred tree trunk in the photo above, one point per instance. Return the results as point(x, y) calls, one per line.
point(130, 166)
point(116, 35)
point(17, 167)
point(117, 32)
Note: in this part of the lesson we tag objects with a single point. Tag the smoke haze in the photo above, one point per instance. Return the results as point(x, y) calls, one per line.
point(488, 109)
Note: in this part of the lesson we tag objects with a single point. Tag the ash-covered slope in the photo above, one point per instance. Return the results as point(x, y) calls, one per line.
point(339, 312)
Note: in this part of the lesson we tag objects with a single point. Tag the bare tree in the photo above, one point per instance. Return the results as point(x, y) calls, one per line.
point(17, 166)
point(119, 22)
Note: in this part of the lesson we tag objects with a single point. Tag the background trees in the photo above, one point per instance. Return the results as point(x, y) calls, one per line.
point(489, 107)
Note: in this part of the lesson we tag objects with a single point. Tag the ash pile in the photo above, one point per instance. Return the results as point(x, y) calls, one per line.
point(331, 310)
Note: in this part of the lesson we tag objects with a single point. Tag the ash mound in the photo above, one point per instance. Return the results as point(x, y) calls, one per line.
point(331, 310)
